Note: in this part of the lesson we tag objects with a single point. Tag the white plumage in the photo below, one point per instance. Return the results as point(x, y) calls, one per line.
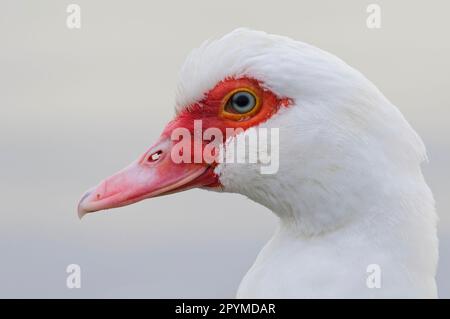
point(349, 191)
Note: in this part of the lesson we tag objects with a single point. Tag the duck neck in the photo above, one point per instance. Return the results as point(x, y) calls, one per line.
point(393, 230)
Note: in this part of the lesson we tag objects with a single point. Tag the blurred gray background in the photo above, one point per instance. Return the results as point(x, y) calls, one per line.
point(78, 104)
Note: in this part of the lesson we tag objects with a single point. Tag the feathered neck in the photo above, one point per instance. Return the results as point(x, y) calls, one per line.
point(346, 200)
point(389, 223)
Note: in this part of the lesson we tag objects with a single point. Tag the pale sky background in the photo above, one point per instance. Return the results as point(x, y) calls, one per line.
point(77, 105)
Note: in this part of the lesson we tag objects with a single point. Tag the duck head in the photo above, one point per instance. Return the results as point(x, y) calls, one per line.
point(335, 138)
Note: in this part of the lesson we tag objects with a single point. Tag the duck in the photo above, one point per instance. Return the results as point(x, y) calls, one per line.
point(356, 218)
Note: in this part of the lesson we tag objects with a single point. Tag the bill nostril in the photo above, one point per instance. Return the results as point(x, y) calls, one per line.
point(97, 193)
point(153, 157)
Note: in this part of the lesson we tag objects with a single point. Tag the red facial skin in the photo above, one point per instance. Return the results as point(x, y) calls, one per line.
point(155, 175)
point(208, 110)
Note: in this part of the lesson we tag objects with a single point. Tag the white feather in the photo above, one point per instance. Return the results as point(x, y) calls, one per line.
point(349, 191)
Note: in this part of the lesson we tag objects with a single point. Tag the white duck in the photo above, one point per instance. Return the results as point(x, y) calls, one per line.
point(349, 192)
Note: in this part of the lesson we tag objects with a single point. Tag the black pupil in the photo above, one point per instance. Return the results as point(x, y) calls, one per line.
point(241, 100)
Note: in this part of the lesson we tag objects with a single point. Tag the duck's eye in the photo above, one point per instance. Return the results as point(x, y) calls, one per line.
point(242, 102)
